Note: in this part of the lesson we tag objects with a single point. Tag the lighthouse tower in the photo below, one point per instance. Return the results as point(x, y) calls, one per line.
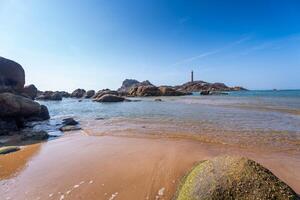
point(192, 76)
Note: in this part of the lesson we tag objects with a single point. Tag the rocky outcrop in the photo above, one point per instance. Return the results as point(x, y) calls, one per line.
point(89, 94)
point(78, 93)
point(110, 98)
point(12, 76)
point(198, 86)
point(233, 178)
point(128, 84)
point(49, 95)
point(31, 91)
point(17, 106)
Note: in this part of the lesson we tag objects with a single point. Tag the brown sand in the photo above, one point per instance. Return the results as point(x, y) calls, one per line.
point(104, 167)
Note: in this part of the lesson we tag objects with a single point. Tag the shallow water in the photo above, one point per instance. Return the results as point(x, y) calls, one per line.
point(245, 118)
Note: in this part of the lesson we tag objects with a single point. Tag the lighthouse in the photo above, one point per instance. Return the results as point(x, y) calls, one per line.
point(192, 76)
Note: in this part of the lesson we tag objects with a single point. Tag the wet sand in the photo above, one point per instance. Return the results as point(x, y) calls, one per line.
point(79, 166)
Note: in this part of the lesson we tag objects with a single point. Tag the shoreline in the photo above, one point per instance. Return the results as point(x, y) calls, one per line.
point(78, 166)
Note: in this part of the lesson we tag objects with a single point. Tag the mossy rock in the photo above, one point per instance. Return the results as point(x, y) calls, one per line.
point(9, 149)
point(232, 178)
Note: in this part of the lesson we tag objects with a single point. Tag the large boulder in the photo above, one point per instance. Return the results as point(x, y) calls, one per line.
point(101, 93)
point(31, 91)
point(128, 84)
point(12, 105)
point(41, 116)
point(12, 76)
point(78, 93)
point(89, 94)
point(110, 98)
point(168, 91)
point(144, 91)
point(233, 178)
point(49, 95)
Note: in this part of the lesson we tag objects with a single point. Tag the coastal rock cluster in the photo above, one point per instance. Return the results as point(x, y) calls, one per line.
point(16, 101)
point(228, 177)
point(200, 86)
point(134, 88)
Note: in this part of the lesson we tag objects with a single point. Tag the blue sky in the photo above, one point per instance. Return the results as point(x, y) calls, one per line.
point(95, 44)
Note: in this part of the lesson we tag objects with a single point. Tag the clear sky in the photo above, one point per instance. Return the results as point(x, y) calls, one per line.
point(95, 44)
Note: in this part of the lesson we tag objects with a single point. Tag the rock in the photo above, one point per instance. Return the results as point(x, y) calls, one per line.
point(65, 94)
point(218, 93)
point(238, 88)
point(43, 115)
point(69, 128)
point(205, 92)
point(110, 98)
point(101, 93)
point(12, 105)
point(78, 93)
point(9, 149)
point(144, 91)
point(34, 135)
point(233, 178)
point(8, 126)
point(168, 91)
point(127, 84)
point(69, 121)
point(49, 95)
point(157, 100)
point(89, 94)
point(30, 91)
point(12, 76)
point(198, 86)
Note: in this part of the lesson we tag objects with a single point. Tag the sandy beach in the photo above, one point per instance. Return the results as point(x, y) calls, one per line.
point(80, 166)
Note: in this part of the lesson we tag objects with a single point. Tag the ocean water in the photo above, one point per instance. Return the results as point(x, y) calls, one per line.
point(244, 118)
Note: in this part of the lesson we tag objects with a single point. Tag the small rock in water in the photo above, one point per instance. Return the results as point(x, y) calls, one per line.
point(69, 121)
point(69, 128)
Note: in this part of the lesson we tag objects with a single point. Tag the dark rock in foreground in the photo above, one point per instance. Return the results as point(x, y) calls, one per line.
point(31, 91)
point(34, 135)
point(12, 105)
point(110, 98)
point(233, 178)
point(12, 76)
point(9, 149)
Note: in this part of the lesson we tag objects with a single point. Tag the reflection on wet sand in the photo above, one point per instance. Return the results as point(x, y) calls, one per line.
point(13, 163)
point(78, 166)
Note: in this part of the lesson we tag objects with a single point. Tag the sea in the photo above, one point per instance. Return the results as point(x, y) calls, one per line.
point(252, 119)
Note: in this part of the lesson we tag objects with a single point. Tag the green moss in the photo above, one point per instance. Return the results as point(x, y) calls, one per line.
point(9, 149)
point(232, 178)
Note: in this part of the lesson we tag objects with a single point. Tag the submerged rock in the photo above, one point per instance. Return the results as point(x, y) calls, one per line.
point(110, 98)
point(157, 99)
point(9, 149)
point(233, 178)
point(69, 128)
